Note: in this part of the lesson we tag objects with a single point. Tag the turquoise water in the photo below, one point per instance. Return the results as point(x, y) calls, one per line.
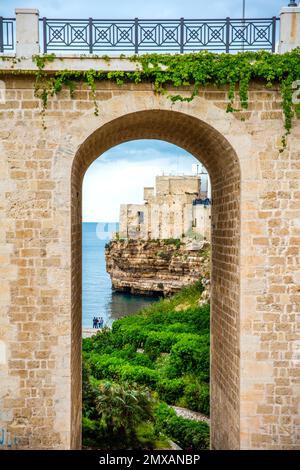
point(98, 299)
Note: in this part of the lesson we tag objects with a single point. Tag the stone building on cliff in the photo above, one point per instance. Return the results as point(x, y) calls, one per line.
point(177, 207)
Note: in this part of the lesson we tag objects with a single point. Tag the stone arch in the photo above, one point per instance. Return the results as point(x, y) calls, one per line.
point(217, 154)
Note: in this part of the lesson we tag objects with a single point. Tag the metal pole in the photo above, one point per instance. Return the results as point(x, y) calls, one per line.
point(273, 33)
point(45, 35)
point(181, 35)
point(1, 35)
point(91, 35)
point(136, 35)
point(243, 16)
point(227, 33)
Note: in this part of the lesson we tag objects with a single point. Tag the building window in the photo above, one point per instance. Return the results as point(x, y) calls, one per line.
point(140, 217)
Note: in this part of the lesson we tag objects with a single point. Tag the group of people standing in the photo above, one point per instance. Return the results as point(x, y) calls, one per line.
point(98, 322)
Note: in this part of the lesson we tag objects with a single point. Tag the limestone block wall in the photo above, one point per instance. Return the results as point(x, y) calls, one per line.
point(155, 220)
point(130, 225)
point(149, 193)
point(187, 219)
point(202, 218)
point(167, 212)
point(177, 185)
point(255, 255)
point(123, 221)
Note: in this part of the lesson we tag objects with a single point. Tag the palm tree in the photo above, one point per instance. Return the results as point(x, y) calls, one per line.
point(112, 411)
point(121, 407)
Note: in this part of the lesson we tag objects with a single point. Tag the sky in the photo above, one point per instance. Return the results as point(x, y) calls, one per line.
point(120, 9)
point(131, 166)
point(120, 174)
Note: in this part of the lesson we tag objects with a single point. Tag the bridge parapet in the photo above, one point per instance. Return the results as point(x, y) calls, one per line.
point(255, 281)
point(34, 34)
point(289, 28)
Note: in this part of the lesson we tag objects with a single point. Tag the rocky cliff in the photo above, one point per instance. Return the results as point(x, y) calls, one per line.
point(160, 267)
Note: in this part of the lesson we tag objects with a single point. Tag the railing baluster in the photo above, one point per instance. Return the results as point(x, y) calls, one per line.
point(45, 35)
point(1, 35)
point(178, 35)
point(181, 35)
point(136, 35)
point(274, 20)
point(227, 33)
point(91, 35)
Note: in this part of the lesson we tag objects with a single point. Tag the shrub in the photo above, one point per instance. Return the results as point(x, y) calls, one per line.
point(142, 360)
point(133, 335)
point(158, 342)
point(139, 375)
point(127, 352)
point(174, 365)
point(88, 392)
point(91, 433)
point(185, 432)
point(165, 369)
point(101, 342)
point(146, 434)
point(87, 345)
point(166, 255)
point(180, 327)
point(170, 390)
point(105, 366)
point(199, 318)
point(196, 397)
point(172, 241)
point(191, 354)
point(195, 319)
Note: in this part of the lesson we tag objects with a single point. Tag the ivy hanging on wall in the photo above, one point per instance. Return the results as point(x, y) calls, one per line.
point(235, 71)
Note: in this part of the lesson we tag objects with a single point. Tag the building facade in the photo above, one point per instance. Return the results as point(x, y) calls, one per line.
point(177, 207)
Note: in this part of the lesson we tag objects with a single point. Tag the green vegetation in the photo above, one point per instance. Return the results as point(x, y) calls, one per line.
point(196, 70)
point(113, 411)
point(166, 255)
point(147, 361)
point(190, 434)
point(172, 241)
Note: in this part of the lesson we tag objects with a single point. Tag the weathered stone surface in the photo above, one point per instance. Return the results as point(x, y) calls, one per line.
point(255, 256)
point(155, 266)
point(171, 210)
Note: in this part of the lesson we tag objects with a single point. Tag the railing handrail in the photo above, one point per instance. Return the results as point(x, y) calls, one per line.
point(158, 20)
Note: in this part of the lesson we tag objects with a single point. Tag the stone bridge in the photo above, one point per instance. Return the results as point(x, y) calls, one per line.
point(255, 329)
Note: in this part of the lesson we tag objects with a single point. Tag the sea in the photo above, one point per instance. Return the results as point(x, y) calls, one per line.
point(98, 297)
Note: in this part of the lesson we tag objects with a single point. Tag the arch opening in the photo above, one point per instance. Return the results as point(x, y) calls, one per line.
point(220, 159)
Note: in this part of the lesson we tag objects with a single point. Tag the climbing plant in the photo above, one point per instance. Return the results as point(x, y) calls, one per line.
point(195, 70)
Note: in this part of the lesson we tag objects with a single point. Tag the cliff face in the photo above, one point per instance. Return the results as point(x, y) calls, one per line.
point(155, 266)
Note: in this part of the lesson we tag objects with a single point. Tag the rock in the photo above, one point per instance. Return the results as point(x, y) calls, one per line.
point(152, 267)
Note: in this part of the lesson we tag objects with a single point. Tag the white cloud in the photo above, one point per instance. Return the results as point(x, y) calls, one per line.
point(120, 175)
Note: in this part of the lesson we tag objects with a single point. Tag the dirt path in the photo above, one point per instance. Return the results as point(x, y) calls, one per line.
point(88, 332)
point(185, 413)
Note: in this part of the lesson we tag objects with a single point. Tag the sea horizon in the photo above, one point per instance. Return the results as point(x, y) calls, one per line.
point(98, 297)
